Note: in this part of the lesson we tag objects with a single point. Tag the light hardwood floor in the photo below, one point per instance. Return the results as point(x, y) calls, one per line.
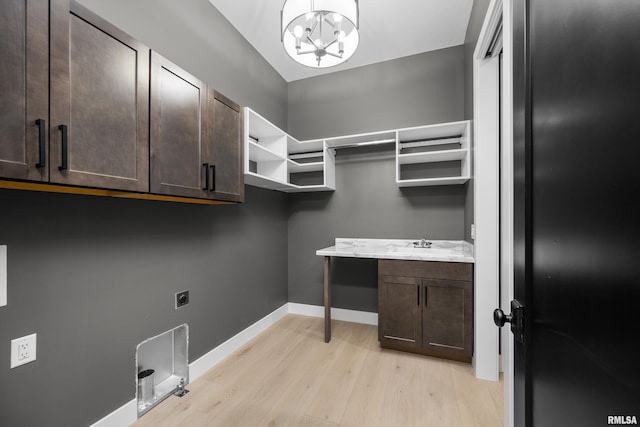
point(288, 376)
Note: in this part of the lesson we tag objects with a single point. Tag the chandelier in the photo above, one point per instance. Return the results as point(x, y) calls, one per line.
point(320, 33)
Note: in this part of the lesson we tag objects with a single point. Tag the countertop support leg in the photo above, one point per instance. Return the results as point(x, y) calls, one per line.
point(327, 300)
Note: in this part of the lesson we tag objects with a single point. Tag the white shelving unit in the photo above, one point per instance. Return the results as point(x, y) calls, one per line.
point(278, 161)
point(425, 155)
point(433, 155)
point(311, 166)
point(265, 152)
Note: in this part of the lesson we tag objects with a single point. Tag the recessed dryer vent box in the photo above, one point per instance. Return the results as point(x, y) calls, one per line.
point(167, 355)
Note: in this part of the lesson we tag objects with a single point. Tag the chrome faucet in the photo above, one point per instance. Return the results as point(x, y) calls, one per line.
point(423, 243)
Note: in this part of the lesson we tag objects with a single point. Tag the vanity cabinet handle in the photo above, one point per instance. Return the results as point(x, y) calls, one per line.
point(213, 178)
point(65, 147)
point(42, 161)
point(418, 294)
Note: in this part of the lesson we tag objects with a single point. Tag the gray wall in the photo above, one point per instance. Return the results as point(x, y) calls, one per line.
point(94, 276)
point(476, 20)
point(412, 91)
point(367, 202)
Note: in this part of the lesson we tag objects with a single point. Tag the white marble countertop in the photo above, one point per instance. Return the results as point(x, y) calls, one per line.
point(440, 250)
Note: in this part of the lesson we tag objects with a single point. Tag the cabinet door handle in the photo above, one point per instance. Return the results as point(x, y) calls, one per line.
point(418, 294)
point(205, 178)
point(42, 124)
point(213, 178)
point(425, 296)
point(64, 165)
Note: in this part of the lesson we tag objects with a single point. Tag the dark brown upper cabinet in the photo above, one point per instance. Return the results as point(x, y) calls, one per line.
point(196, 137)
point(74, 93)
point(99, 102)
point(85, 105)
point(24, 89)
point(225, 136)
point(178, 147)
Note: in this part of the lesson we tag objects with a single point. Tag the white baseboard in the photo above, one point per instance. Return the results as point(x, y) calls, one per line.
point(128, 413)
point(123, 416)
point(215, 356)
point(354, 316)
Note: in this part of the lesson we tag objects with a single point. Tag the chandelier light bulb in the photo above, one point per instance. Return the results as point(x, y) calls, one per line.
point(341, 36)
point(337, 18)
point(297, 31)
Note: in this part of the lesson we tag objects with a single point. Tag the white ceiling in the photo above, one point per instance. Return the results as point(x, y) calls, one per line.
point(389, 29)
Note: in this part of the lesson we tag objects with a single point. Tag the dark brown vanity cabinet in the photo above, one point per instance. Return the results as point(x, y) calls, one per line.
point(426, 307)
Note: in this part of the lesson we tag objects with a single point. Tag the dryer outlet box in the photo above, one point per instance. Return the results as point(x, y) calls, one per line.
point(182, 298)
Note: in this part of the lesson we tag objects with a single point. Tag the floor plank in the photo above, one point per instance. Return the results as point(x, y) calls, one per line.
point(288, 376)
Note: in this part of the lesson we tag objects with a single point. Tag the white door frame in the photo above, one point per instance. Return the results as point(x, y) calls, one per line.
point(488, 204)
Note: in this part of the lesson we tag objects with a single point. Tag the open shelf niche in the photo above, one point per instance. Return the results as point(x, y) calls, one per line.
point(278, 161)
point(265, 152)
point(433, 155)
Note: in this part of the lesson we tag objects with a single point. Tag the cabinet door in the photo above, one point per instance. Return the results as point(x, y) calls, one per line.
point(226, 175)
point(24, 89)
point(99, 102)
point(178, 167)
point(399, 311)
point(447, 317)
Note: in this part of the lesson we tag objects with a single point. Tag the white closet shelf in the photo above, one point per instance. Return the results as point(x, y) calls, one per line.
point(295, 147)
point(295, 167)
point(258, 180)
point(426, 182)
point(432, 156)
point(362, 139)
point(292, 188)
point(258, 153)
point(430, 142)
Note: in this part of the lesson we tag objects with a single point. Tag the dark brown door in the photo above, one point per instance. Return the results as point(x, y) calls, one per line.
point(99, 102)
point(226, 174)
point(400, 310)
point(178, 164)
point(447, 323)
point(24, 89)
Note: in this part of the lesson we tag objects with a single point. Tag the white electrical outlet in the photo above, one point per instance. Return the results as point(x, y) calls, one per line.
point(23, 350)
point(473, 231)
